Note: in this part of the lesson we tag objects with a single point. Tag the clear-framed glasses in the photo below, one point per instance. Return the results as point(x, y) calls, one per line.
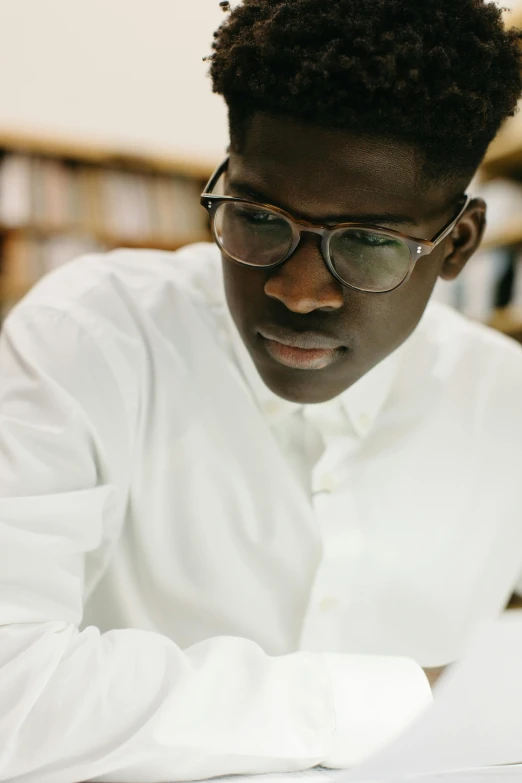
point(366, 258)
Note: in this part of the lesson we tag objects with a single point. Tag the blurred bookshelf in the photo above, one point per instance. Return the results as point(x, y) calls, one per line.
point(60, 199)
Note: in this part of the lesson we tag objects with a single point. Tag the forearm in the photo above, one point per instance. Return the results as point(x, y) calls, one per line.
point(131, 705)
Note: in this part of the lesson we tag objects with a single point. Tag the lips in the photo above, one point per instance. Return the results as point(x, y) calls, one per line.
point(300, 358)
point(300, 350)
point(310, 340)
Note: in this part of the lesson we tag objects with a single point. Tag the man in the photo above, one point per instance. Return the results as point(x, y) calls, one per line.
point(250, 490)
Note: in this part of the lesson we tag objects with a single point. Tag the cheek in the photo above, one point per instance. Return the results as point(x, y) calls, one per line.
point(373, 324)
point(244, 288)
point(400, 311)
point(420, 286)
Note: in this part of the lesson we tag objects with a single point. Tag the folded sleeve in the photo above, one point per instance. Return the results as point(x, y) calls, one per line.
point(375, 697)
point(130, 705)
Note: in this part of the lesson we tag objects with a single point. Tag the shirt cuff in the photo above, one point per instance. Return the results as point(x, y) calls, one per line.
point(375, 698)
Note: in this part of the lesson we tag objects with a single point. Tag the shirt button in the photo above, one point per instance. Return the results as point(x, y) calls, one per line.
point(271, 407)
point(327, 483)
point(364, 420)
point(328, 603)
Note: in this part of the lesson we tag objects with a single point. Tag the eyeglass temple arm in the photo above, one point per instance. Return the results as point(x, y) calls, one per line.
point(445, 231)
point(211, 184)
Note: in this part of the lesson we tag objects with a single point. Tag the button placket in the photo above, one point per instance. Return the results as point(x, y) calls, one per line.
point(326, 482)
point(364, 420)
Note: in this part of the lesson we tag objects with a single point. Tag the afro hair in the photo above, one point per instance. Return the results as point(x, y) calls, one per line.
point(441, 75)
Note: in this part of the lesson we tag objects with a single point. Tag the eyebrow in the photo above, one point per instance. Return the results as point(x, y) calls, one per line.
point(372, 219)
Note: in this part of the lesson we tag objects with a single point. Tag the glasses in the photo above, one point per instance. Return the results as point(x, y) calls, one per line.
point(365, 258)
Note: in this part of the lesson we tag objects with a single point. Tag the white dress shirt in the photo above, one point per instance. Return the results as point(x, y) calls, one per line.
point(199, 578)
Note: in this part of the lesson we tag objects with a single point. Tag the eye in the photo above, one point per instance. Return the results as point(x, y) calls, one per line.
point(373, 240)
point(258, 217)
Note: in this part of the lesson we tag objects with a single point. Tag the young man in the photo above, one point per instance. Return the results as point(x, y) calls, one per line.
point(249, 491)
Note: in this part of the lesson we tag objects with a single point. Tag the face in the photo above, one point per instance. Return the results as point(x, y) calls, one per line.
point(326, 176)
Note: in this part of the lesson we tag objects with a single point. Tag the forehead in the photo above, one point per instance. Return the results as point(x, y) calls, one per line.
point(326, 171)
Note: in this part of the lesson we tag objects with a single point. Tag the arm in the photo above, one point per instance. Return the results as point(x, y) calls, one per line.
point(130, 704)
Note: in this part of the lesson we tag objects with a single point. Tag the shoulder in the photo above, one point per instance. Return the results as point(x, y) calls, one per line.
point(193, 268)
point(456, 341)
point(124, 287)
point(471, 369)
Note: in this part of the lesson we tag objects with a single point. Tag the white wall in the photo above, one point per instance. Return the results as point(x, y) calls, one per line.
point(122, 72)
point(127, 73)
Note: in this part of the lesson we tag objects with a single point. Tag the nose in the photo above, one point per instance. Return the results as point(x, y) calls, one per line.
point(304, 282)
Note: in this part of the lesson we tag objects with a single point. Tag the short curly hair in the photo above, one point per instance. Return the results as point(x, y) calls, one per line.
point(441, 75)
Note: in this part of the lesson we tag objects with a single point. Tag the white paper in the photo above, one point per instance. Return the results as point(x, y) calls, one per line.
point(503, 774)
point(507, 774)
point(313, 775)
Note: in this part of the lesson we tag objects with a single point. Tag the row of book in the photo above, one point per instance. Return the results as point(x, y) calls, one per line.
point(55, 195)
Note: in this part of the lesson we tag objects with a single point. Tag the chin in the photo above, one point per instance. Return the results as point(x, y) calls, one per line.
point(304, 387)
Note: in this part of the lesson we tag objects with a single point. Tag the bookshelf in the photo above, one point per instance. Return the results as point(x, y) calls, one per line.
point(510, 234)
point(60, 198)
point(89, 151)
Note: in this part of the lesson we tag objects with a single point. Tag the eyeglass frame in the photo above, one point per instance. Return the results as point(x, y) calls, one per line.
point(418, 248)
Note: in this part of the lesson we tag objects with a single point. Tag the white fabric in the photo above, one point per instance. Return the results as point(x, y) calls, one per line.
point(199, 578)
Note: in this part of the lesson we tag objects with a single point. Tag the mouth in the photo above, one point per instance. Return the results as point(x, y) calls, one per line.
point(300, 351)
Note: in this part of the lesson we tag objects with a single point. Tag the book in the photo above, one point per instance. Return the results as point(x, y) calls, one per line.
point(57, 187)
point(22, 260)
point(164, 208)
point(516, 297)
point(15, 190)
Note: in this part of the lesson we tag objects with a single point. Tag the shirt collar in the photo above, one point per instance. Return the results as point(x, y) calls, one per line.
point(362, 402)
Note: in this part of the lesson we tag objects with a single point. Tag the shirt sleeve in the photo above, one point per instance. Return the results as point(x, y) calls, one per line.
point(130, 705)
point(376, 697)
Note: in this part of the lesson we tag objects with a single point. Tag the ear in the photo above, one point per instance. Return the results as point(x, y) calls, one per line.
point(464, 240)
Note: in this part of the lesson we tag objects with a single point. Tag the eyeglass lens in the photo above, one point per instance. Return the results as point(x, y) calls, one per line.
point(370, 260)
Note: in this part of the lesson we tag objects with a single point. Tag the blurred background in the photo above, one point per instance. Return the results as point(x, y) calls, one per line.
point(109, 131)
